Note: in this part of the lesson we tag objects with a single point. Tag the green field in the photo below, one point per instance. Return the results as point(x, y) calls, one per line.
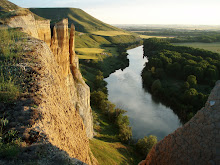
point(146, 36)
point(214, 47)
point(112, 153)
point(110, 33)
point(89, 50)
point(96, 53)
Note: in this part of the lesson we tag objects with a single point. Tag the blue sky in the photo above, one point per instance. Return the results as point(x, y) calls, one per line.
point(205, 12)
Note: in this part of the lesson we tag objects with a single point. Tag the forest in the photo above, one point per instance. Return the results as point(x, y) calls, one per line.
point(180, 77)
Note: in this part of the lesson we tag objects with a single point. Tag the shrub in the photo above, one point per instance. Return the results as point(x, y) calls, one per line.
point(144, 145)
point(191, 79)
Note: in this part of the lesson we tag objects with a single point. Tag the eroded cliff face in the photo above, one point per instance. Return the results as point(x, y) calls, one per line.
point(62, 47)
point(66, 116)
point(197, 142)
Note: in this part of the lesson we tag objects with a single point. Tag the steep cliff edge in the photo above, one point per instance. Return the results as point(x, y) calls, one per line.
point(65, 115)
point(197, 142)
point(62, 47)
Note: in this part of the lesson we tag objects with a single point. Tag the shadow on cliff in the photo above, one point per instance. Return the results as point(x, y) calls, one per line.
point(40, 153)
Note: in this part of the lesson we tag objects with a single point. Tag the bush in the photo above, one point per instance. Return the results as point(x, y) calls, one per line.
point(144, 145)
point(125, 132)
point(191, 79)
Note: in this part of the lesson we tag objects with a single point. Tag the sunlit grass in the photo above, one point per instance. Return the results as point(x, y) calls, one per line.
point(96, 53)
point(214, 47)
point(110, 33)
point(146, 36)
point(110, 153)
point(89, 50)
point(88, 57)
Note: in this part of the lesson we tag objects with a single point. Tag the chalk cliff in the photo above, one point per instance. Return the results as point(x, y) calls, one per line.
point(66, 115)
point(197, 142)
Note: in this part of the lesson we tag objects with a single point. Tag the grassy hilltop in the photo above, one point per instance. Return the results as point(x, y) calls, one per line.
point(6, 6)
point(82, 20)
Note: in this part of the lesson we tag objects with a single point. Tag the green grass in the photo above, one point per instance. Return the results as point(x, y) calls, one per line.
point(110, 33)
point(100, 39)
point(89, 50)
point(112, 50)
point(10, 76)
point(6, 6)
point(106, 146)
point(146, 36)
point(8, 91)
point(214, 47)
point(84, 40)
point(112, 153)
point(88, 57)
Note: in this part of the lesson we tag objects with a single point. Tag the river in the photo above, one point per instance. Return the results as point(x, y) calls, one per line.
point(125, 91)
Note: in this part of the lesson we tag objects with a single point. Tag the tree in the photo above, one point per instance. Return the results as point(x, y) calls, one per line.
point(190, 95)
point(144, 145)
point(98, 99)
point(174, 69)
point(191, 79)
point(186, 85)
point(156, 86)
point(125, 133)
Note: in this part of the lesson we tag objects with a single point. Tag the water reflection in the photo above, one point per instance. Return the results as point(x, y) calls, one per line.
point(146, 116)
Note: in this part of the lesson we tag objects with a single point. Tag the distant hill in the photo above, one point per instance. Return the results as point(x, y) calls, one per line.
point(6, 6)
point(82, 20)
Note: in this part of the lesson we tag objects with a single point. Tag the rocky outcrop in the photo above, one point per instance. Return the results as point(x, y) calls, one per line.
point(36, 28)
point(197, 142)
point(63, 48)
point(44, 32)
point(65, 112)
point(26, 22)
point(60, 122)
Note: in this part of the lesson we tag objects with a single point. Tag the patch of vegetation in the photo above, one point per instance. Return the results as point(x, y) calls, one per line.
point(19, 12)
point(9, 141)
point(113, 153)
point(181, 77)
point(6, 6)
point(144, 145)
point(146, 36)
point(11, 76)
point(12, 85)
point(110, 33)
point(214, 47)
point(89, 50)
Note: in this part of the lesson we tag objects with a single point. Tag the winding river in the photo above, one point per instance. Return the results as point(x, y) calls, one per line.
point(146, 116)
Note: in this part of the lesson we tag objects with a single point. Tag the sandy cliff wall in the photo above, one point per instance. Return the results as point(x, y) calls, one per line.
point(66, 116)
point(197, 142)
point(63, 50)
point(44, 32)
point(26, 22)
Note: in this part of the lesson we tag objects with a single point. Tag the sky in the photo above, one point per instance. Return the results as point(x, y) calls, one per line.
point(196, 12)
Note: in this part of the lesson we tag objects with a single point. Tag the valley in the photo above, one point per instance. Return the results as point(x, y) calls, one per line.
point(76, 90)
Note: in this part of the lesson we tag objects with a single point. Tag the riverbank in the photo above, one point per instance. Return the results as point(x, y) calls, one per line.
point(108, 122)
